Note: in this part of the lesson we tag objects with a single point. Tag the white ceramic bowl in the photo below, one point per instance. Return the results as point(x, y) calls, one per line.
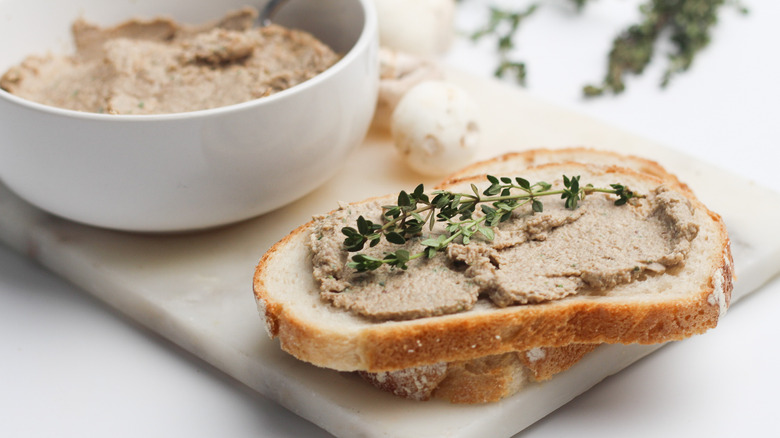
point(192, 170)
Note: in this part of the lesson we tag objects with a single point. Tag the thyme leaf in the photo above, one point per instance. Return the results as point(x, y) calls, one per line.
point(413, 211)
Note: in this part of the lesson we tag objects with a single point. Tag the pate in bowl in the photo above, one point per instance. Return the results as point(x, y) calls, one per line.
point(184, 169)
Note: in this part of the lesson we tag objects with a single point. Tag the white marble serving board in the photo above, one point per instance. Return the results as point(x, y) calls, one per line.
point(195, 288)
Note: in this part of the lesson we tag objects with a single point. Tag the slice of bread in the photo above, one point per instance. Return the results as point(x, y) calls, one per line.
point(660, 308)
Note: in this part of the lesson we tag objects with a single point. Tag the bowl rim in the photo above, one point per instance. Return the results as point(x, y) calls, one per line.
point(368, 33)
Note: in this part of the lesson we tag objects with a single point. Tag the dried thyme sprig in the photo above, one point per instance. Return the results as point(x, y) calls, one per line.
point(503, 25)
point(414, 211)
point(689, 24)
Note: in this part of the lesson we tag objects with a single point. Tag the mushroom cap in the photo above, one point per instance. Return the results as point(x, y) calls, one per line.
point(421, 27)
point(398, 73)
point(435, 128)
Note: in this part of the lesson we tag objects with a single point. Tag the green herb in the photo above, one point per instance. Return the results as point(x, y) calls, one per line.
point(416, 211)
point(504, 25)
point(688, 24)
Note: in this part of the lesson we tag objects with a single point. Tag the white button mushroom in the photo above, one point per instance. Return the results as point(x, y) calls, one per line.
point(435, 127)
point(421, 27)
point(398, 73)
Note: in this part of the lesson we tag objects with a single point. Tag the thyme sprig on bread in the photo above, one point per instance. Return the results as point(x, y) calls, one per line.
point(414, 211)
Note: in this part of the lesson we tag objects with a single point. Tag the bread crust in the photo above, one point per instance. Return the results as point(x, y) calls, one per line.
point(579, 154)
point(553, 360)
point(377, 347)
point(482, 380)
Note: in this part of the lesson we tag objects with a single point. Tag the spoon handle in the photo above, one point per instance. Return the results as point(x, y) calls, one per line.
point(269, 10)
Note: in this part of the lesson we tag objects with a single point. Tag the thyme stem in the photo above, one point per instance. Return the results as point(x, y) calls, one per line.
point(404, 220)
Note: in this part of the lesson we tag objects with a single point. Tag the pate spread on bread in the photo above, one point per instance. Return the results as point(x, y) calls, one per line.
point(675, 286)
point(534, 257)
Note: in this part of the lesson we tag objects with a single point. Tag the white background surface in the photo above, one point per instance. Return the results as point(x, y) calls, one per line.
point(71, 367)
